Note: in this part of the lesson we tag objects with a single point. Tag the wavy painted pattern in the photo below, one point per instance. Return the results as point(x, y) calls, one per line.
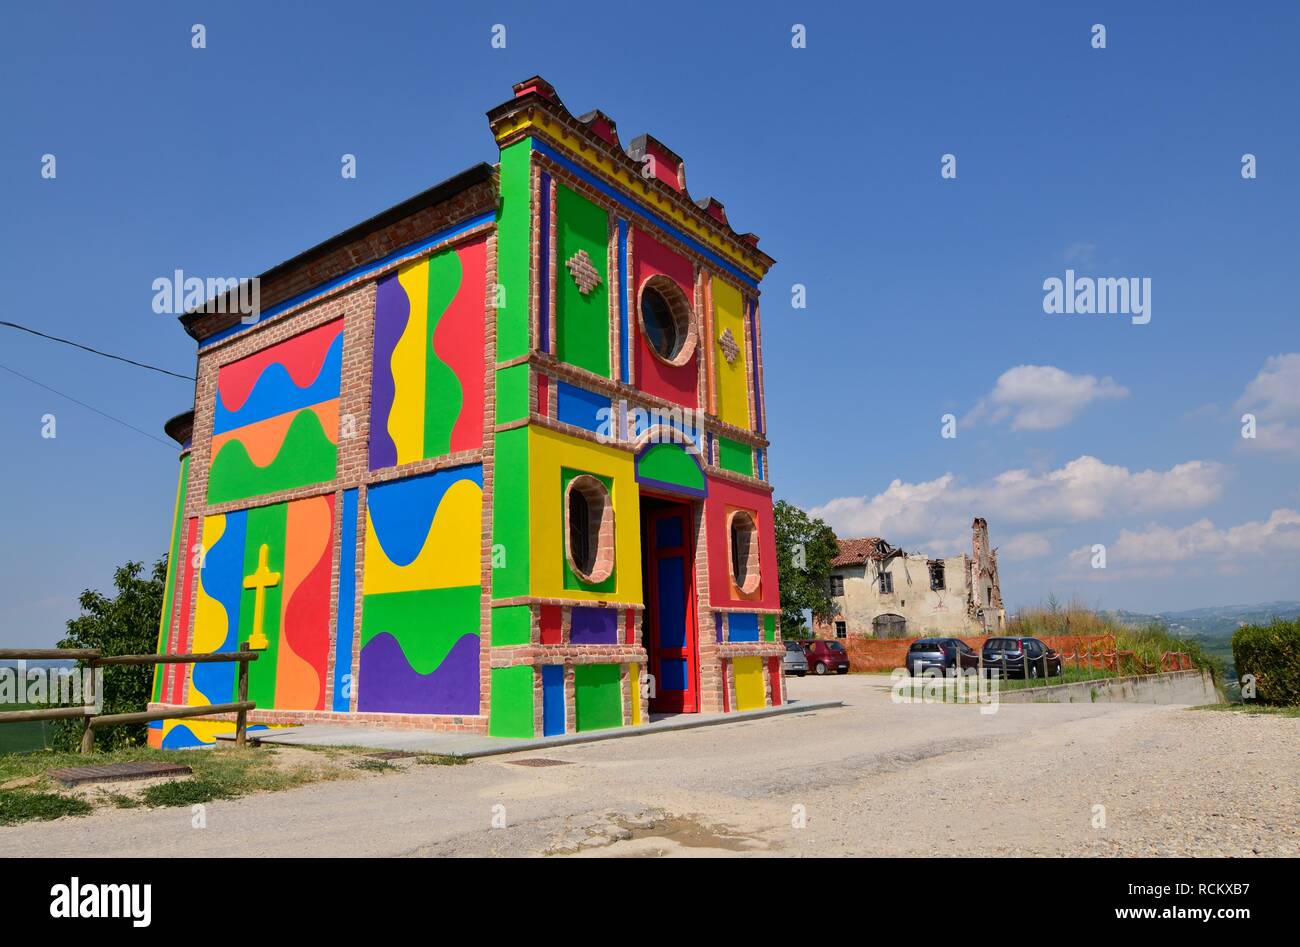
point(421, 594)
point(290, 673)
point(427, 382)
point(275, 424)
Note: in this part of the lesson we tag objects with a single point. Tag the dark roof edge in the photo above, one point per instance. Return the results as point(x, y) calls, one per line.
point(443, 191)
point(180, 427)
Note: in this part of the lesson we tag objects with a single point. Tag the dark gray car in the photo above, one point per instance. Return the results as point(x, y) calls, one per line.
point(942, 655)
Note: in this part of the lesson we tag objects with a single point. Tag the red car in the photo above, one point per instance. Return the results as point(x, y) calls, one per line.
point(826, 654)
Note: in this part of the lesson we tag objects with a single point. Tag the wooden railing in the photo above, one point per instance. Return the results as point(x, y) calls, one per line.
point(97, 659)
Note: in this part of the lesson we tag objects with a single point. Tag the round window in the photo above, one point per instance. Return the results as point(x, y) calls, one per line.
point(744, 552)
point(666, 320)
point(589, 530)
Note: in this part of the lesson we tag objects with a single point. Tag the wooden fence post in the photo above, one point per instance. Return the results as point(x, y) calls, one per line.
point(88, 735)
point(241, 719)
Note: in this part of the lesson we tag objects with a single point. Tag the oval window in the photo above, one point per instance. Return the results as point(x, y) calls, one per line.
point(589, 530)
point(744, 552)
point(666, 320)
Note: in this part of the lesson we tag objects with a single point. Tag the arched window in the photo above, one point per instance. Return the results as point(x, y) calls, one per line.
point(743, 540)
point(589, 529)
point(666, 320)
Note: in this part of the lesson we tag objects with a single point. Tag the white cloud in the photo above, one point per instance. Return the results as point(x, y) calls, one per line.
point(1202, 540)
point(1273, 396)
point(1041, 397)
point(1083, 490)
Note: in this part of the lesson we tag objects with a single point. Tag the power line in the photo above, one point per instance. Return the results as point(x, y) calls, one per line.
point(88, 407)
point(87, 348)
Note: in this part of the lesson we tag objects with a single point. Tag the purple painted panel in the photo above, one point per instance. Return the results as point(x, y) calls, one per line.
point(593, 625)
point(392, 310)
point(389, 683)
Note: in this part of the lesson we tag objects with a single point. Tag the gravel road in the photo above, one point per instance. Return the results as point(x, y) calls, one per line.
point(871, 778)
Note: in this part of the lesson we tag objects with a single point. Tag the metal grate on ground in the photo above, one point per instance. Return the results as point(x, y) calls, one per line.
point(107, 772)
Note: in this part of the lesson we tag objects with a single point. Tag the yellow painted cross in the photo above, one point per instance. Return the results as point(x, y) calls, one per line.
point(261, 580)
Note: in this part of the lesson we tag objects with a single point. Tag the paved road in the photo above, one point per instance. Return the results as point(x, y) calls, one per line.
point(872, 778)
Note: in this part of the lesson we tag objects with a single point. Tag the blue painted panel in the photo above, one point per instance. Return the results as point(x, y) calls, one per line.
point(668, 533)
point(346, 604)
point(582, 408)
point(743, 626)
point(672, 602)
point(672, 673)
point(552, 700)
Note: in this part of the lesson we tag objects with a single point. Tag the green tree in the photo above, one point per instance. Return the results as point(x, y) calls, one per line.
point(805, 549)
point(126, 623)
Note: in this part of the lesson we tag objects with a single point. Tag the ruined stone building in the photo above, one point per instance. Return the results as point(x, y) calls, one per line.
point(881, 591)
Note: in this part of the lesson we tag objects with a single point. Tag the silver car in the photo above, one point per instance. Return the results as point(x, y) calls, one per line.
point(795, 661)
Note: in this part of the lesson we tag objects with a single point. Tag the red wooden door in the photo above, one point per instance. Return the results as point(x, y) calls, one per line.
point(672, 639)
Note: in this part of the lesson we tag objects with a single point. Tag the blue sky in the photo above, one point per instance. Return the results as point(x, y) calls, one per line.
point(924, 294)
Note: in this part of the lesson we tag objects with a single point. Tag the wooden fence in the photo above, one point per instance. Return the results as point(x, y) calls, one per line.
point(96, 659)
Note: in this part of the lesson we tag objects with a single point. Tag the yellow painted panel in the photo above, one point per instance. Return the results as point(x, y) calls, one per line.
point(450, 556)
point(749, 683)
point(634, 679)
point(211, 623)
point(548, 452)
point(406, 419)
point(733, 383)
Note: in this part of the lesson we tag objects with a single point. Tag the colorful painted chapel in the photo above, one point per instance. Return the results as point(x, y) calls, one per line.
point(493, 460)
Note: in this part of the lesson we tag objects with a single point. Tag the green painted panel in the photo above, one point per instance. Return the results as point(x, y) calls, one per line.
point(305, 457)
point(599, 696)
point(582, 321)
point(571, 580)
point(512, 624)
point(669, 463)
point(512, 393)
point(174, 555)
point(427, 623)
point(266, 526)
point(443, 396)
point(510, 514)
point(735, 456)
point(511, 713)
point(769, 627)
point(514, 220)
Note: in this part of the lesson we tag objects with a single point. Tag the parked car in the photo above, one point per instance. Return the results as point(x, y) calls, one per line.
point(941, 654)
point(825, 654)
point(795, 661)
point(1020, 657)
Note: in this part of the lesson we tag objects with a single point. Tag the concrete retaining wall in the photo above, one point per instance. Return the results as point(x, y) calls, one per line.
point(1176, 687)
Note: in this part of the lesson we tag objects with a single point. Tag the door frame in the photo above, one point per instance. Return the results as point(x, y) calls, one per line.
point(689, 702)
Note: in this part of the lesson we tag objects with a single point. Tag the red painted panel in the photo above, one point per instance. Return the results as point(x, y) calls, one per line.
point(676, 384)
point(630, 635)
point(543, 396)
point(181, 621)
point(550, 621)
point(724, 495)
point(302, 356)
point(774, 671)
point(726, 686)
point(458, 341)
